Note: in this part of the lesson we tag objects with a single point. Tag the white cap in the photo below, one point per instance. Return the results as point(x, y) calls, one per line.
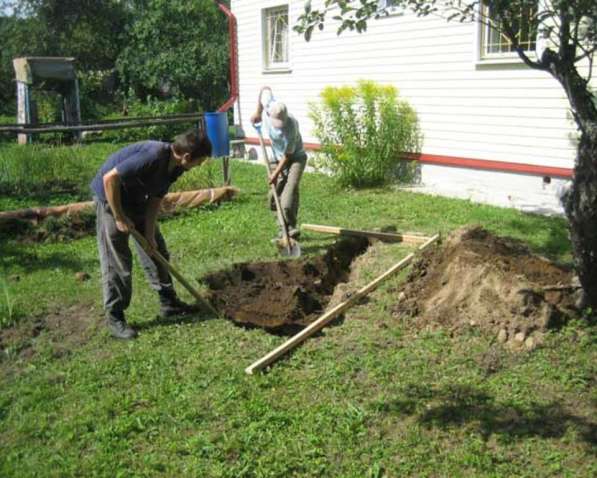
point(278, 114)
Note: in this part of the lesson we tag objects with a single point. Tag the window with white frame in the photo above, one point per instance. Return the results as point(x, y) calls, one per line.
point(494, 44)
point(275, 38)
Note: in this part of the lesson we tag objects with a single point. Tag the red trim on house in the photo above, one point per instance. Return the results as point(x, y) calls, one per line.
point(483, 164)
point(233, 39)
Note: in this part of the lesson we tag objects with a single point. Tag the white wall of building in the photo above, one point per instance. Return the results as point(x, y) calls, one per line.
point(486, 111)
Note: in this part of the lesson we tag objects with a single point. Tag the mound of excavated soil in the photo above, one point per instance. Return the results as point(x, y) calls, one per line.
point(282, 296)
point(496, 284)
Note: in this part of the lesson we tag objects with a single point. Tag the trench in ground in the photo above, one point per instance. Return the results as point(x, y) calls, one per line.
point(285, 296)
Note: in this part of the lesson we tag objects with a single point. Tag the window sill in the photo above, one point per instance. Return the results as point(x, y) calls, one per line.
point(391, 12)
point(504, 60)
point(273, 71)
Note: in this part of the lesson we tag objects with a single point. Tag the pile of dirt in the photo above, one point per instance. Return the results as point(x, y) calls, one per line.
point(480, 280)
point(285, 296)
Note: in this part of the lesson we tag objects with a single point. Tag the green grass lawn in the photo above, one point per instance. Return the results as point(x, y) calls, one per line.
point(369, 397)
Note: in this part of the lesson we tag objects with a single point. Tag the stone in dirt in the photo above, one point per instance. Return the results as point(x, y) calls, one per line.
point(283, 296)
point(493, 281)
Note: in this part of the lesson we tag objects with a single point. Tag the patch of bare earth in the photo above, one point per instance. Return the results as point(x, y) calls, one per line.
point(496, 284)
point(283, 296)
point(58, 333)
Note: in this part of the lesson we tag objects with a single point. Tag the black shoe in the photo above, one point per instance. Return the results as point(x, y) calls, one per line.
point(177, 307)
point(120, 329)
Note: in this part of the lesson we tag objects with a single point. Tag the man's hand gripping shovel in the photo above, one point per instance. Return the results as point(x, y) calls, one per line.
point(287, 245)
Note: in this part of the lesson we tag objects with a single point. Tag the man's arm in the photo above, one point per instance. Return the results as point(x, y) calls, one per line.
point(112, 188)
point(151, 216)
point(273, 178)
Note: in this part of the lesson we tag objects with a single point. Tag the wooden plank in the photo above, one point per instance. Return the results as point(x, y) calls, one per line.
point(334, 312)
point(384, 236)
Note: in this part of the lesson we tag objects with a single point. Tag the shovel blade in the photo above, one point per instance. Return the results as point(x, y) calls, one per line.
point(290, 248)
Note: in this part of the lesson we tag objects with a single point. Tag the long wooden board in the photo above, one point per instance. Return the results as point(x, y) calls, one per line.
point(384, 236)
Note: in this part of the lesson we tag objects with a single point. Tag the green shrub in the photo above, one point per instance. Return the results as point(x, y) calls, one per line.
point(365, 132)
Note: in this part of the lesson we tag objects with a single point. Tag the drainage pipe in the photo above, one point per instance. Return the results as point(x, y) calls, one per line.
point(233, 39)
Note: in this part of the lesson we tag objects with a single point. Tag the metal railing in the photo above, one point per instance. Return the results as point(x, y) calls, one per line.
point(99, 125)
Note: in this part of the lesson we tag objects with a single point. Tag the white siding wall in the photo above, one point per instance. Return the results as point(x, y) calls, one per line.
point(494, 112)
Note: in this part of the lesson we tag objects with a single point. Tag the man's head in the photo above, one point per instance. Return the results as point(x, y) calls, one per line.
point(278, 114)
point(191, 148)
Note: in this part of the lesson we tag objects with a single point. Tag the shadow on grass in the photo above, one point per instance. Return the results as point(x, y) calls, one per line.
point(12, 255)
point(461, 405)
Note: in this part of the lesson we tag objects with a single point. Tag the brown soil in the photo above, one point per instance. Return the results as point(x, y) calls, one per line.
point(283, 296)
point(62, 333)
point(475, 279)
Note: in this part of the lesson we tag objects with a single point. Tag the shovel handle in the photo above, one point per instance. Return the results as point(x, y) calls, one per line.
point(279, 212)
point(162, 260)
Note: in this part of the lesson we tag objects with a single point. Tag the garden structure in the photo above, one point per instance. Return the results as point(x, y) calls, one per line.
point(55, 73)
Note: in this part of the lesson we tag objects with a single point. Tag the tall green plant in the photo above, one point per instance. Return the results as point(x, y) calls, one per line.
point(6, 305)
point(365, 131)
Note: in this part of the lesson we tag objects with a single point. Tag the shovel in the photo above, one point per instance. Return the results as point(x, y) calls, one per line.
point(288, 246)
point(162, 260)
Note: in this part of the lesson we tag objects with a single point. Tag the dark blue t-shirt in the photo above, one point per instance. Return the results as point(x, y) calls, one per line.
point(143, 172)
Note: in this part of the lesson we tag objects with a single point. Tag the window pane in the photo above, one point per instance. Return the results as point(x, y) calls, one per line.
point(276, 24)
point(524, 25)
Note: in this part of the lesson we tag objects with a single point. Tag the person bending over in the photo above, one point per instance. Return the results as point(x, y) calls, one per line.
point(128, 190)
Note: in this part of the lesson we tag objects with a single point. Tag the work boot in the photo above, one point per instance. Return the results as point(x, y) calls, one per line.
point(119, 328)
point(175, 306)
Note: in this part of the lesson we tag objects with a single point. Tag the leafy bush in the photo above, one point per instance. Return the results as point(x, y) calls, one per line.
point(97, 93)
point(365, 132)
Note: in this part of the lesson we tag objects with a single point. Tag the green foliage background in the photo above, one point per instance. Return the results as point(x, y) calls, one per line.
point(148, 48)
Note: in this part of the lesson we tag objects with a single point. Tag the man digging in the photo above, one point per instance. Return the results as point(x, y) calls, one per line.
point(290, 158)
point(128, 190)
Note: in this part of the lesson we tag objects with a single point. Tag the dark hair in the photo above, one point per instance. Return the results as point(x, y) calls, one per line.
point(192, 141)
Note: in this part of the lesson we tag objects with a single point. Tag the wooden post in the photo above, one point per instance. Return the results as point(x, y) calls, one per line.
point(334, 312)
point(23, 109)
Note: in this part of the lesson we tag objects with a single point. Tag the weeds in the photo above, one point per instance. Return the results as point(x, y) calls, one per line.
point(6, 304)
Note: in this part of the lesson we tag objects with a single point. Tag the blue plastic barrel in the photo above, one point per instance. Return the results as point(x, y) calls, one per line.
point(217, 132)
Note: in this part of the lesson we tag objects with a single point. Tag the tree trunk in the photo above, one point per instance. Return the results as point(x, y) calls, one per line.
point(580, 204)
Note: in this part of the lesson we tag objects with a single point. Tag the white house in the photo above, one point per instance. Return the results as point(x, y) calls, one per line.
point(495, 131)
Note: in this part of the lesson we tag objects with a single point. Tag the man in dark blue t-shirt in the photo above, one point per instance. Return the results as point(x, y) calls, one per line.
point(128, 190)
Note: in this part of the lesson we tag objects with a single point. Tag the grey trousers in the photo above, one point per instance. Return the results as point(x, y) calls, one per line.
point(288, 191)
point(116, 262)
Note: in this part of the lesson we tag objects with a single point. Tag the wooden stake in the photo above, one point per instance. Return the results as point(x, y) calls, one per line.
point(334, 312)
point(384, 236)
